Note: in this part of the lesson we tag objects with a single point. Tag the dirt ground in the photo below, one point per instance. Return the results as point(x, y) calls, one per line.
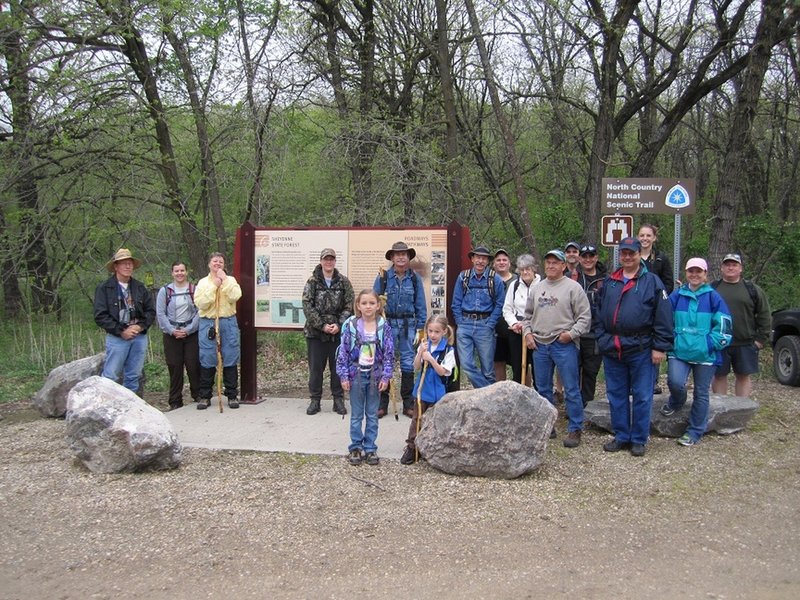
point(720, 520)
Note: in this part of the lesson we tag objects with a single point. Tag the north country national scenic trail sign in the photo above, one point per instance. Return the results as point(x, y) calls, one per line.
point(647, 195)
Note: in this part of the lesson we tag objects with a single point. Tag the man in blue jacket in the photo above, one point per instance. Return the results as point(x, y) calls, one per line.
point(406, 311)
point(634, 331)
point(477, 305)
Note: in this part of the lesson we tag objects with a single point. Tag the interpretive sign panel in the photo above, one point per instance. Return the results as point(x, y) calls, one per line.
point(285, 258)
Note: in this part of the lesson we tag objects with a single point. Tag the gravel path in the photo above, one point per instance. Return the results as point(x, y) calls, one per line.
point(721, 520)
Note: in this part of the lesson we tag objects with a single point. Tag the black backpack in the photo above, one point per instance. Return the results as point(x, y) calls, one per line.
point(490, 281)
point(450, 381)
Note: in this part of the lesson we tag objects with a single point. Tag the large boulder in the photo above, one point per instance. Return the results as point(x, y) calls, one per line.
point(496, 431)
point(726, 414)
point(51, 400)
point(112, 430)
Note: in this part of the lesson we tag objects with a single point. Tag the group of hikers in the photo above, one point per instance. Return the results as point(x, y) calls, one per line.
point(563, 325)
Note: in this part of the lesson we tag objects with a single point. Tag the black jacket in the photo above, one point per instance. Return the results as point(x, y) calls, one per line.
point(107, 306)
point(658, 264)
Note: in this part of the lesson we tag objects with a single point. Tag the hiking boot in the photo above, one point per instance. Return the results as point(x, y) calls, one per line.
point(615, 446)
point(381, 413)
point(553, 434)
point(203, 403)
point(573, 439)
point(233, 403)
point(666, 410)
point(175, 405)
point(409, 456)
point(409, 412)
point(686, 440)
point(372, 459)
point(338, 406)
point(637, 449)
point(313, 408)
point(657, 391)
point(355, 457)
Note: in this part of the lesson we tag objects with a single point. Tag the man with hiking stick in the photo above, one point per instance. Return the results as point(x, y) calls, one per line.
point(215, 297)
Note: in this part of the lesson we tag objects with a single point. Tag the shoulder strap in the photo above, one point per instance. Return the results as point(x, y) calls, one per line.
point(516, 287)
point(751, 289)
point(171, 293)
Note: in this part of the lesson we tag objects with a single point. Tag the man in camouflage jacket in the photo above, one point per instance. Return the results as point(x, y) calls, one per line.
point(327, 303)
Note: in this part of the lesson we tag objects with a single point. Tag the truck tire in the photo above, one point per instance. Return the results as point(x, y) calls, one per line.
point(786, 360)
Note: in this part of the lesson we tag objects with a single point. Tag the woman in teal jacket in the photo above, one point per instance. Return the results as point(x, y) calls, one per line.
point(703, 327)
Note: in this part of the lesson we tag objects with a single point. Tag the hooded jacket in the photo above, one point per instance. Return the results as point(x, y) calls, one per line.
point(703, 325)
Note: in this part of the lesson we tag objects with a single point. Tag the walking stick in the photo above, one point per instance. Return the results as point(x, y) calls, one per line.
point(524, 371)
point(393, 394)
point(219, 351)
point(419, 408)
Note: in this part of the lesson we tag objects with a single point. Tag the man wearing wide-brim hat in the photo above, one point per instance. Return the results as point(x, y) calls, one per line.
point(406, 310)
point(124, 308)
point(477, 305)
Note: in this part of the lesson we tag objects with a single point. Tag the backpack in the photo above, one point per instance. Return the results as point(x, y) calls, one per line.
point(450, 381)
point(171, 293)
point(355, 342)
point(751, 290)
point(490, 280)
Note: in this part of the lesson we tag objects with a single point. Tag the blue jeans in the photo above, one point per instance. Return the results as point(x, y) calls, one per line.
point(546, 357)
point(677, 378)
point(229, 334)
point(474, 338)
point(403, 334)
point(364, 400)
point(125, 360)
point(632, 375)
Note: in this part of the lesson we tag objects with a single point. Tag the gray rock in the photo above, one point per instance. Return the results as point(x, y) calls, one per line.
point(112, 430)
point(51, 399)
point(497, 431)
point(726, 415)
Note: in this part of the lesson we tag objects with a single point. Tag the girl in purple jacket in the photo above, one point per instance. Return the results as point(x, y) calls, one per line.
point(364, 365)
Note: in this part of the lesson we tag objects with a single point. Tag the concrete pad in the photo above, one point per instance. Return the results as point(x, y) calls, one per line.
point(280, 425)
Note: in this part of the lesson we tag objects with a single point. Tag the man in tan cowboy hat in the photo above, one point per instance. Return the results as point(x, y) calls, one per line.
point(124, 308)
point(406, 311)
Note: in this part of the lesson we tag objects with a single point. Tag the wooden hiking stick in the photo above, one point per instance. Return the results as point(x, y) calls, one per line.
point(419, 407)
point(219, 351)
point(524, 371)
point(393, 393)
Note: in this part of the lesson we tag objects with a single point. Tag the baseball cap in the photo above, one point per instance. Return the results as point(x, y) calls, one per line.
point(588, 249)
point(501, 251)
point(696, 263)
point(575, 245)
point(733, 256)
point(630, 243)
point(327, 252)
point(555, 252)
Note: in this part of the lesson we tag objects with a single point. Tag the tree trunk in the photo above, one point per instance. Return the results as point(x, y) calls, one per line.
point(521, 204)
point(209, 170)
point(448, 101)
point(730, 191)
point(32, 249)
point(136, 53)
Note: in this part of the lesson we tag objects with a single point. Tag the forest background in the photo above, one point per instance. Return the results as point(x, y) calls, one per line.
point(163, 125)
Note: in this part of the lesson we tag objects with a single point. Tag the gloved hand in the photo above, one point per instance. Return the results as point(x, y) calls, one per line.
point(419, 337)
